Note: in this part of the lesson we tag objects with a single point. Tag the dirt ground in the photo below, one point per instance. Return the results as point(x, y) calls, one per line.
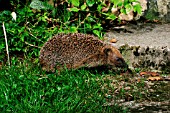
point(157, 98)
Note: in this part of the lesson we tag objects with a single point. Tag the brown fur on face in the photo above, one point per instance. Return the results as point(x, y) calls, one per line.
point(77, 50)
point(114, 57)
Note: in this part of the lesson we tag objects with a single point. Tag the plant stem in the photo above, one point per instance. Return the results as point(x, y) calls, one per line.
point(6, 42)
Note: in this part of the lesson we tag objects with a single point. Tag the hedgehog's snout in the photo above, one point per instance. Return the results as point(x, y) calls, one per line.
point(120, 62)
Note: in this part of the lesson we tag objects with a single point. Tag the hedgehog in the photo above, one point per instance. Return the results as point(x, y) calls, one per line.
point(76, 50)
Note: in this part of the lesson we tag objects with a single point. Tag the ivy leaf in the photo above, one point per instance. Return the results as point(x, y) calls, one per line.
point(96, 32)
point(117, 3)
point(126, 2)
point(90, 3)
point(22, 38)
point(91, 19)
point(99, 7)
point(123, 11)
point(74, 9)
point(133, 0)
point(112, 17)
point(83, 7)
point(75, 2)
point(2, 46)
point(137, 8)
point(97, 26)
point(88, 26)
point(36, 4)
point(128, 7)
point(73, 29)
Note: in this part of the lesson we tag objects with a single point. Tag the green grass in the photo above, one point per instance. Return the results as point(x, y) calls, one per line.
point(24, 87)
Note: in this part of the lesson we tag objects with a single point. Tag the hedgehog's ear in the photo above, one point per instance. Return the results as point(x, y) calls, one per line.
point(106, 50)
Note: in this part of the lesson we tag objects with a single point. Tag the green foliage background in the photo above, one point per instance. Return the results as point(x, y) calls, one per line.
point(37, 21)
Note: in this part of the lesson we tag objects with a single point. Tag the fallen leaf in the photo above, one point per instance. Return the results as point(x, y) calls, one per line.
point(153, 74)
point(113, 40)
point(156, 21)
point(157, 78)
point(143, 73)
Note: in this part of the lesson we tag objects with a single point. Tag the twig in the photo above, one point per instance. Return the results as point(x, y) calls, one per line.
point(32, 34)
point(6, 42)
point(32, 45)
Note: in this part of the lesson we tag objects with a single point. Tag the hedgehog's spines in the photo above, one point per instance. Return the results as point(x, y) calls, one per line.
point(76, 50)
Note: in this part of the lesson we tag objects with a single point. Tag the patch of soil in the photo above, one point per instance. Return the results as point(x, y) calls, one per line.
point(137, 93)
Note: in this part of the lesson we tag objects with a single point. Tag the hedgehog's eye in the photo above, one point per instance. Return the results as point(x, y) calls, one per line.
point(118, 59)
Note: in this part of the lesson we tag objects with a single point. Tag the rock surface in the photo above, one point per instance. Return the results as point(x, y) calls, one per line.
point(144, 45)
